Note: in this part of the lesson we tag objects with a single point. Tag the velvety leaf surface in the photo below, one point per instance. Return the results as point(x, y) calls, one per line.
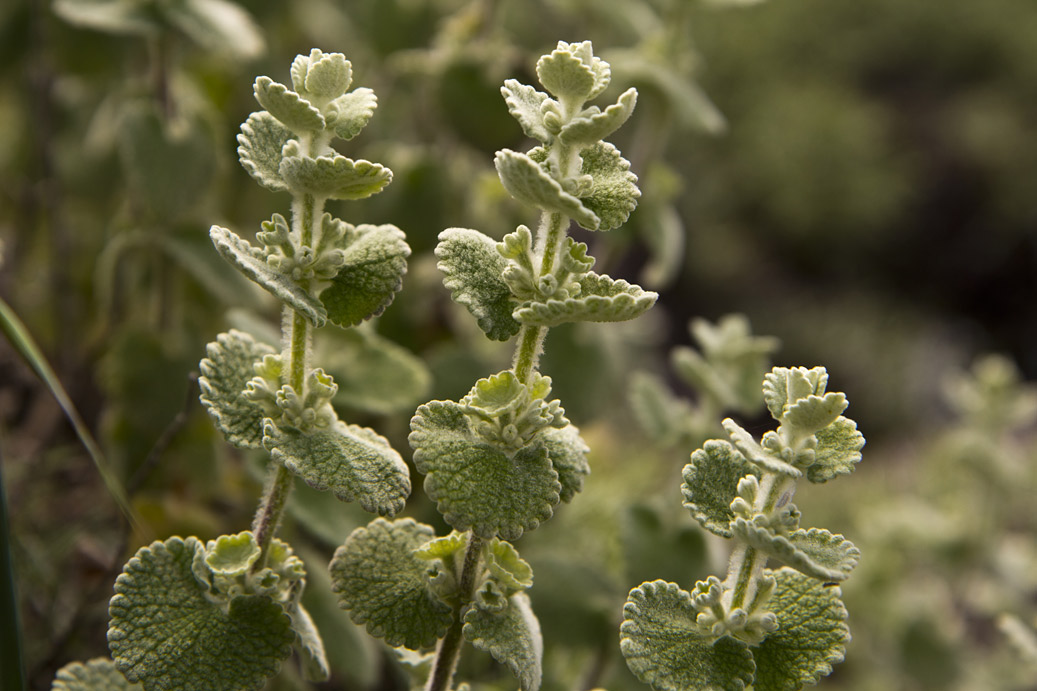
point(351, 112)
point(383, 584)
point(815, 552)
point(353, 462)
point(528, 182)
point(602, 299)
point(711, 484)
point(568, 454)
point(167, 634)
point(812, 634)
point(614, 192)
point(227, 367)
point(309, 646)
point(294, 112)
point(664, 650)
point(838, 450)
point(566, 76)
point(334, 176)
point(376, 261)
point(472, 269)
point(814, 413)
point(99, 674)
point(512, 637)
point(259, 149)
point(751, 449)
point(590, 129)
point(524, 105)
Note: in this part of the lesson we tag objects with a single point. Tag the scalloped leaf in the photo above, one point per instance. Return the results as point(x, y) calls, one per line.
point(614, 191)
point(525, 180)
point(506, 566)
point(476, 485)
point(815, 552)
point(260, 144)
point(784, 384)
point(350, 113)
point(218, 26)
point(711, 484)
point(472, 269)
point(590, 129)
point(228, 366)
point(327, 76)
point(355, 463)
point(601, 299)
point(751, 449)
point(384, 585)
point(663, 648)
point(568, 454)
point(812, 634)
point(98, 674)
point(251, 261)
point(838, 450)
point(524, 105)
point(166, 633)
point(565, 76)
point(813, 413)
point(334, 176)
point(512, 637)
point(375, 263)
point(294, 112)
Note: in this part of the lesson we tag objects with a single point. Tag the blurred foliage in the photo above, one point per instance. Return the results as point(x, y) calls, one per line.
point(856, 178)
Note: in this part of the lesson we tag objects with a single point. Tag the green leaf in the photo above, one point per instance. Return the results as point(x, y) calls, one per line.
point(328, 75)
point(711, 484)
point(475, 484)
point(660, 414)
point(585, 130)
point(568, 75)
point(260, 143)
point(375, 263)
point(218, 26)
point(355, 463)
point(524, 105)
point(813, 413)
point(350, 113)
point(310, 646)
point(525, 180)
point(251, 261)
point(783, 386)
point(506, 566)
point(373, 373)
point(472, 269)
point(294, 112)
point(228, 366)
point(98, 674)
point(601, 299)
point(512, 637)
point(755, 453)
point(838, 450)
point(110, 16)
point(333, 176)
point(383, 583)
point(663, 648)
point(568, 454)
point(166, 633)
point(815, 552)
point(614, 193)
point(812, 634)
point(232, 555)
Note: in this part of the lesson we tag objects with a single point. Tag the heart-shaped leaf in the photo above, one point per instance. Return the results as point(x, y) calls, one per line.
point(614, 193)
point(375, 263)
point(838, 450)
point(98, 674)
point(711, 484)
point(815, 552)
point(524, 105)
point(260, 144)
point(333, 176)
point(472, 269)
point(512, 637)
point(529, 183)
point(228, 366)
point(601, 299)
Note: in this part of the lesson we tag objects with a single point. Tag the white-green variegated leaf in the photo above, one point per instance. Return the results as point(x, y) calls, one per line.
point(664, 649)
point(512, 637)
point(218, 26)
point(524, 105)
point(98, 674)
point(228, 366)
point(294, 112)
point(838, 450)
point(816, 552)
point(601, 299)
point(525, 180)
point(333, 176)
point(568, 454)
point(350, 113)
point(614, 193)
point(590, 129)
point(259, 149)
point(477, 485)
point(165, 631)
point(251, 261)
point(472, 269)
point(812, 634)
point(711, 484)
point(375, 263)
point(383, 584)
point(355, 463)
point(309, 646)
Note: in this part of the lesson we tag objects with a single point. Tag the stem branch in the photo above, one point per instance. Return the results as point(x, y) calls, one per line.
point(448, 652)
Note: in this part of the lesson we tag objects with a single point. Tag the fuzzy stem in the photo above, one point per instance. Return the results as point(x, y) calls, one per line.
point(448, 652)
point(550, 236)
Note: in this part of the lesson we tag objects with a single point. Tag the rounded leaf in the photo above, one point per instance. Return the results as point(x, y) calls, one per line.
point(601, 299)
point(838, 450)
point(472, 269)
point(329, 76)
point(294, 112)
point(350, 113)
point(815, 552)
point(228, 366)
point(375, 263)
point(260, 144)
point(568, 454)
point(711, 484)
point(813, 413)
point(98, 674)
point(524, 105)
point(512, 637)
point(590, 129)
point(614, 193)
point(566, 76)
point(334, 176)
point(525, 180)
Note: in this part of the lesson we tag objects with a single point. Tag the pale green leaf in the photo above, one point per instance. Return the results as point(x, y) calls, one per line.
point(333, 176)
point(328, 76)
point(812, 634)
point(260, 143)
point(506, 566)
point(663, 648)
point(838, 450)
point(227, 368)
point(755, 453)
point(660, 414)
point(383, 583)
point(110, 16)
point(350, 113)
point(232, 555)
point(590, 129)
point(355, 463)
point(614, 193)
point(566, 76)
point(813, 413)
point(524, 105)
point(375, 263)
point(568, 454)
point(512, 637)
point(294, 112)
point(310, 646)
point(98, 674)
point(166, 633)
point(601, 299)
point(218, 26)
point(711, 484)
point(476, 485)
point(472, 269)
point(251, 261)
point(373, 373)
point(525, 180)
point(783, 386)
point(815, 552)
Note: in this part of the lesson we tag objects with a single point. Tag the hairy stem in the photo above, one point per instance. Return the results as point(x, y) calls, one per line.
point(745, 568)
point(550, 236)
point(448, 652)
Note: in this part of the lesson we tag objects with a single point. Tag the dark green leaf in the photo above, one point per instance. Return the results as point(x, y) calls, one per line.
point(512, 637)
point(472, 269)
point(375, 263)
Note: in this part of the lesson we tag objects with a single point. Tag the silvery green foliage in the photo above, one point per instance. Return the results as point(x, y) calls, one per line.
point(771, 630)
point(99, 674)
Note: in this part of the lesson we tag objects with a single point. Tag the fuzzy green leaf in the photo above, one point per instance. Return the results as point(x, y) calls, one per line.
point(663, 648)
point(383, 583)
point(373, 373)
point(98, 674)
point(812, 634)
point(472, 269)
point(601, 299)
point(260, 143)
point(783, 386)
point(294, 112)
point(227, 367)
point(524, 105)
point(568, 454)
point(166, 633)
point(813, 413)
point(355, 463)
point(815, 552)
point(838, 450)
point(506, 566)
point(350, 113)
point(512, 637)
point(218, 26)
point(571, 74)
point(327, 76)
point(755, 453)
point(711, 484)
point(529, 183)
point(476, 485)
point(333, 176)
point(590, 129)
point(375, 263)
point(614, 192)
point(309, 645)
point(251, 261)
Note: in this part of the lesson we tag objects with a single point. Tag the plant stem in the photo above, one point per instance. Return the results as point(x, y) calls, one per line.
point(448, 652)
point(745, 569)
point(550, 236)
